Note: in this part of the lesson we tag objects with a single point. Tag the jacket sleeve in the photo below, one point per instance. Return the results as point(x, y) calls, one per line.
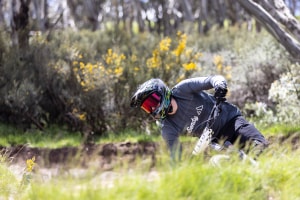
point(202, 83)
point(171, 138)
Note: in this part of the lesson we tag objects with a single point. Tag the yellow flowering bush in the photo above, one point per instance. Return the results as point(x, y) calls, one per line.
point(221, 68)
point(172, 60)
point(102, 83)
point(164, 44)
point(115, 61)
point(117, 75)
point(27, 176)
point(189, 66)
point(30, 163)
point(92, 76)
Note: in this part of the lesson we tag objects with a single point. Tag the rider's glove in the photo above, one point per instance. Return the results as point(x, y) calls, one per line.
point(220, 92)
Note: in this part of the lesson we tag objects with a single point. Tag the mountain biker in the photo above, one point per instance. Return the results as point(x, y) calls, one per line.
point(186, 108)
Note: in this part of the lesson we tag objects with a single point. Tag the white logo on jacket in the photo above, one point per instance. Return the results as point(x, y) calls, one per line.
point(199, 109)
point(194, 119)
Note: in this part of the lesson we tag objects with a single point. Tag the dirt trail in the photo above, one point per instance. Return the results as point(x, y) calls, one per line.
point(103, 156)
point(97, 160)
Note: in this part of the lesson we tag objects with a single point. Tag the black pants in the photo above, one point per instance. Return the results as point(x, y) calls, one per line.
point(240, 131)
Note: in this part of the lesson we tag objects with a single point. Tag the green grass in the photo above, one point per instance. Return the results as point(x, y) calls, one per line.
point(128, 136)
point(281, 129)
point(52, 137)
point(276, 177)
point(56, 136)
point(8, 184)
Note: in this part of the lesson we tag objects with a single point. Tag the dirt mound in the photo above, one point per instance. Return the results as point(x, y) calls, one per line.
point(105, 156)
point(291, 139)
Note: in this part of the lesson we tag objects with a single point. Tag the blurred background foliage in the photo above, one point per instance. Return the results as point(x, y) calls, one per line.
point(82, 76)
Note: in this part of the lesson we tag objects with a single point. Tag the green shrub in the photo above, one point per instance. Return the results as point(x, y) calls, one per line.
point(8, 185)
point(285, 92)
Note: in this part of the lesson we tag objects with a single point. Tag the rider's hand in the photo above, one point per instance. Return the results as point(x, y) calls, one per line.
point(220, 92)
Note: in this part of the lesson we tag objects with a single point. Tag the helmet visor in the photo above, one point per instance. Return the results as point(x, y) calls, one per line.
point(150, 104)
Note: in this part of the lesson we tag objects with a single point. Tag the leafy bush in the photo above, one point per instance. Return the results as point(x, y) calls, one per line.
point(118, 75)
point(256, 66)
point(21, 87)
point(285, 92)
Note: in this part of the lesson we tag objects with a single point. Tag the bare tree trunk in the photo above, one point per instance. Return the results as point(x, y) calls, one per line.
point(138, 15)
point(41, 12)
point(91, 13)
point(2, 21)
point(116, 5)
point(125, 15)
point(46, 19)
point(272, 26)
point(187, 10)
point(232, 12)
point(167, 28)
point(20, 22)
point(219, 11)
point(69, 13)
point(188, 15)
point(158, 25)
point(203, 20)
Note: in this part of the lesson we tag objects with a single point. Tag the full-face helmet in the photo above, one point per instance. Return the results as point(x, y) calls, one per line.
point(154, 97)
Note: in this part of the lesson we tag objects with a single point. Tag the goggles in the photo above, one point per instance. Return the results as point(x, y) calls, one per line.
point(150, 104)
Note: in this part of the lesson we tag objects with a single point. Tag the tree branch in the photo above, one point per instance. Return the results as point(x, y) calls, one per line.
point(272, 26)
point(281, 13)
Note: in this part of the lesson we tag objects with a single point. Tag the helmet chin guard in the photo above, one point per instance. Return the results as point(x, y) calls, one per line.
point(162, 111)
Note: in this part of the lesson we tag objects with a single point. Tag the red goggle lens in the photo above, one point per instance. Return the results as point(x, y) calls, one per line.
point(151, 102)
